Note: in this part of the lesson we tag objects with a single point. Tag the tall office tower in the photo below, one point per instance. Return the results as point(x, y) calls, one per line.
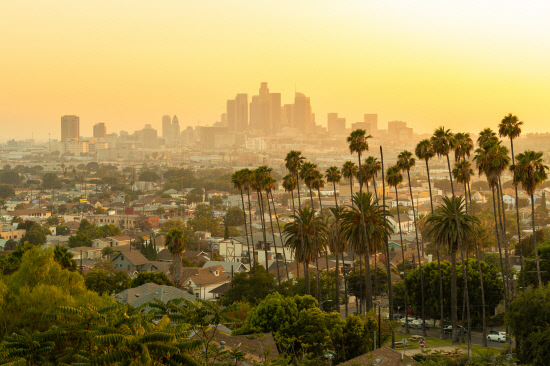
point(175, 131)
point(286, 115)
point(70, 128)
point(335, 125)
point(265, 111)
point(399, 130)
point(148, 136)
point(231, 115)
point(363, 126)
point(166, 127)
point(302, 114)
point(241, 112)
point(100, 130)
point(372, 119)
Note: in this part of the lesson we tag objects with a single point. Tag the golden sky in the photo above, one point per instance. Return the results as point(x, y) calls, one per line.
point(464, 64)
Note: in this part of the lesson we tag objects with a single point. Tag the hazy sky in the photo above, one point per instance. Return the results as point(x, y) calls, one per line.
point(464, 64)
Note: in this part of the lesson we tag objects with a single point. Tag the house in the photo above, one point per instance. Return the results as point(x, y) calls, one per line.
point(383, 356)
point(203, 280)
point(145, 293)
point(112, 241)
point(34, 212)
point(509, 200)
point(129, 260)
point(403, 223)
point(12, 233)
point(229, 267)
point(237, 249)
point(85, 253)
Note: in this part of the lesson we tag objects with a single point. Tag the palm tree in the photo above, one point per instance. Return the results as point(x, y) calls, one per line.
point(293, 162)
point(492, 159)
point(333, 175)
point(486, 135)
point(289, 184)
point(446, 226)
point(405, 162)
point(307, 173)
point(299, 236)
point(258, 184)
point(318, 183)
point(268, 184)
point(463, 146)
point(238, 179)
point(442, 142)
point(530, 172)
point(510, 127)
point(424, 150)
point(247, 177)
point(462, 172)
point(372, 167)
point(175, 242)
point(478, 242)
point(394, 178)
point(349, 171)
point(357, 142)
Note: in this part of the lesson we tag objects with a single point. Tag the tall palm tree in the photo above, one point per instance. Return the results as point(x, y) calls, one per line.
point(237, 179)
point(372, 167)
point(442, 142)
point(349, 171)
point(405, 162)
point(478, 242)
point(318, 183)
point(463, 146)
point(175, 243)
point(336, 242)
point(247, 177)
point(293, 162)
point(373, 216)
point(446, 226)
point(510, 127)
point(492, 159)
point(268, 184)
point(258, 184)
point(424, 150)
point(463, 172)
point(387, 247)
point(357, 142)
point(299, 235)
point(289, 184)
point(394, 178)
point(307, 173)
point(530, 171)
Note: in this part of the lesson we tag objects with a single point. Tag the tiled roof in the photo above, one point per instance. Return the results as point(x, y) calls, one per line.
point(134, 256)
point(205, 276)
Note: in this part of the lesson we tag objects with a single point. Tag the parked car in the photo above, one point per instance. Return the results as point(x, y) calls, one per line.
point(448, 329)
point(496, 336)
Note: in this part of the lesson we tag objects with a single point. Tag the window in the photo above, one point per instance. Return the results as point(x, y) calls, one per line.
point(128, 267)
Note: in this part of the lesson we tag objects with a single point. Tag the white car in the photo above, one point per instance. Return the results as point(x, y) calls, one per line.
point(497, 336)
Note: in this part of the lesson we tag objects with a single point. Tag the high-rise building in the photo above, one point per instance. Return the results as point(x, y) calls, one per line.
point(148, 136)
point(399, 130)
point(372, 119)
point(241, 112)
point(166, 127)
point(363, 126)
point(265, 111)
point(100, 130)
point(302, 119)
point(70, 128)
point(336, 125)
point(231, 115)
point(175, 128)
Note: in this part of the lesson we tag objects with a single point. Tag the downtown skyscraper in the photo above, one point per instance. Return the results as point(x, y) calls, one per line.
point(265, 111)
point(70, 128)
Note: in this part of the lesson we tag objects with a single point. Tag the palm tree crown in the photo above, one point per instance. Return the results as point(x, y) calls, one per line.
point(492, 159)
point(510, 127)
point(394, 176)
point(405, 161)
point(529, 171)
point(349, 170)
point(357, 141)
point(463, 171)
point(289, 182)
point(424, 150)
point(463, 145)
point(333, 175)
point(293, 161)
point(486, 135)
point(442, 141)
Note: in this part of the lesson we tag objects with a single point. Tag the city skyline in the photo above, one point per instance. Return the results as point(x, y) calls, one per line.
point(426, 63)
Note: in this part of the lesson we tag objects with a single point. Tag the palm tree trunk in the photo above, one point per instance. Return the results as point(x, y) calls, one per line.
point(306, 265)
point(368, 289)
point(296, 259)
point(535, 240)
point(374, 186)
point(316, 252)
point(442, 309)
point(374, 250)
point(361, 293)
point(484, 319)
point(459, 234)
point(280, 236)
point(501, 217)
point(322, 218)
point(418, 251)
point(517, 222)
point(260, 200)
point(499, 245)
point(245, 228)
point(253, 263)
point(273, 235)
point(454, 319)
point(337, 272)
point(404, 264)
point(387, 247)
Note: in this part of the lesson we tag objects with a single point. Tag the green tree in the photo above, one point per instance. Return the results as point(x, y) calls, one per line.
point(175, 242)
point(64, 257)
point(81, 239)
point(234, 216)
point(530, 266)
point(149, 176)
point(150, 277)
point(6, 191)
point(10, 177)
point(103, 281)
point(10, 245)
point(50, 181)
point(529, 319)
point(35, 236)
point(250, 288)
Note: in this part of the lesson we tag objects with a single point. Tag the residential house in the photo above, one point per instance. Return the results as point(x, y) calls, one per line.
point(145, 293)
point(230, 268)
point(403, 223)
point(10, 232)
point(34, 212)
point(85, 253)
point(202, 280)
point(129, 260)
point(236, 249)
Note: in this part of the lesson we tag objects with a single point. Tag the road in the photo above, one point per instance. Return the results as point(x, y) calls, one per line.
point(477, 337)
